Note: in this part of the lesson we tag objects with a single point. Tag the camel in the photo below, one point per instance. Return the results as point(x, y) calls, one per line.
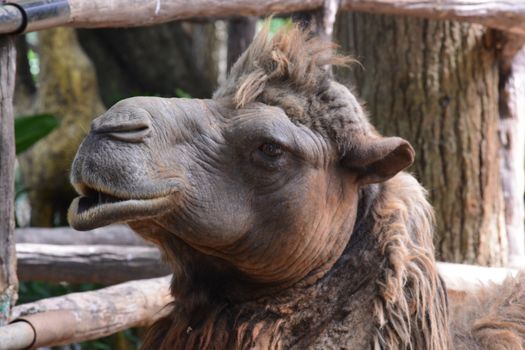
point(287, 219)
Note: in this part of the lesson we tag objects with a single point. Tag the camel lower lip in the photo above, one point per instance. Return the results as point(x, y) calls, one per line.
point(85, 213)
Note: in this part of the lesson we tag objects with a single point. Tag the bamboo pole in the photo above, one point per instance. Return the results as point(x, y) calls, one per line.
point(8, 279)
point(500, 14)
point(105, 264)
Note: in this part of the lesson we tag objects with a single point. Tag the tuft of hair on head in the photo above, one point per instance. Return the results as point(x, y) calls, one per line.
point(293, 58)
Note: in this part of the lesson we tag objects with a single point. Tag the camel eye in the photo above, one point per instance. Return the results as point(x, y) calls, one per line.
point(271, 150)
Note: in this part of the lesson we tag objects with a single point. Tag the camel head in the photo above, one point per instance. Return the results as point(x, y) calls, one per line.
point(264, 178)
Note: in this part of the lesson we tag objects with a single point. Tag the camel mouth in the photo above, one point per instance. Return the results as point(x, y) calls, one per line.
point(94, 208)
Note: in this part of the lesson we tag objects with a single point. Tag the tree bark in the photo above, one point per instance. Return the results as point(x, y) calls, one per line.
point(168, 60)
point(8, 279)
point(435, 84)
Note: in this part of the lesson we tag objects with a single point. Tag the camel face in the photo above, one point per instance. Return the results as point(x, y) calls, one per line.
point(246, 185)
point(265, 177)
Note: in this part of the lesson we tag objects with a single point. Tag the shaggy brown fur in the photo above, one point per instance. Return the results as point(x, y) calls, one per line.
point(493, 318)
point(390, 251)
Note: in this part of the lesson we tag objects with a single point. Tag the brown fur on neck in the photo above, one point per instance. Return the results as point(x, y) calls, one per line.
point(387, 269)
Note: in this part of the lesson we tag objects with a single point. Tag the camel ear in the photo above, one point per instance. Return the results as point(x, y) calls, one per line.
point(377, 159)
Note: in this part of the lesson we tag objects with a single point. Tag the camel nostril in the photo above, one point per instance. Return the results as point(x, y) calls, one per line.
point(135, 135)
point(123, 128)
point(127, 132)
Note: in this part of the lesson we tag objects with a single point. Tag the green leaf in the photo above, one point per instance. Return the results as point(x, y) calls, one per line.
point(30, 129)
point(181, 93)
point(278, 23)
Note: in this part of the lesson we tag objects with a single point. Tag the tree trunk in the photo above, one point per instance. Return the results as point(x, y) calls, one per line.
point(241, 31)
point(435, 83)
point(166, 60)
point(8, 280)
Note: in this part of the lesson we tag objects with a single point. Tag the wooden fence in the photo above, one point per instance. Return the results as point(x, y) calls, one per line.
point(90, 315)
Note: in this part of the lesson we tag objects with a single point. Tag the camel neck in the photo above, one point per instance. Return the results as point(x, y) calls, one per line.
point(304, 316)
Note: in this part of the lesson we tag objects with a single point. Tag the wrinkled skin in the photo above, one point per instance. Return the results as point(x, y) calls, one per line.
point(244, 185)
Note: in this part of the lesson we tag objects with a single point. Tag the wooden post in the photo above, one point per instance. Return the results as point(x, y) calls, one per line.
point(8, 279)
point(512, 139)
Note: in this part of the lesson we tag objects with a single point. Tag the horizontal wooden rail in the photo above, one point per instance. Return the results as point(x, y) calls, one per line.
point(500, 14)
point(105, 264)
point(109, 235)
point(83, 316)
point(89, 315)
point(110, 264)
point(468, 278)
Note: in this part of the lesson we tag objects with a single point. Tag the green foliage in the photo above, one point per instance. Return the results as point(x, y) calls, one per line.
point(30, 129)
point(181, 93)
point(278, 23)
point(275, 24)
point(33, 58)
point(34, 64)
